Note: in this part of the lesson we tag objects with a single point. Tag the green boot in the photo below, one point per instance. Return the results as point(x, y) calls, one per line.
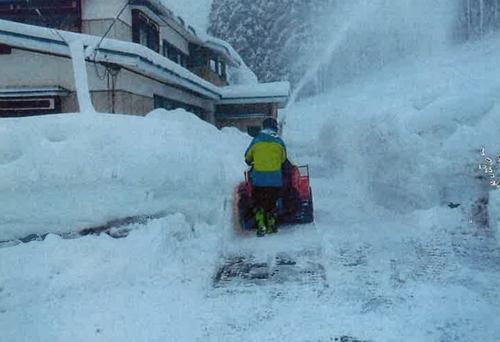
point(271, 223)
point(260, 220)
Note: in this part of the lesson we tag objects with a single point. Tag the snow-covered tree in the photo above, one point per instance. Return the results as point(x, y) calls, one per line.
point(316, 44)
point(270, 35)
point(478, 17)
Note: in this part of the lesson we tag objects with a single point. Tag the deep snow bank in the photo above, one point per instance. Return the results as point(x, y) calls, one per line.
point(408, 138)
point(62, 172)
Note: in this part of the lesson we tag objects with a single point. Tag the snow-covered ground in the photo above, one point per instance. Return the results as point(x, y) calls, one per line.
point(386, 260)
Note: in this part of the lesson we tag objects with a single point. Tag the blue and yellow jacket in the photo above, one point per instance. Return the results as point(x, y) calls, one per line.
point(267, 152)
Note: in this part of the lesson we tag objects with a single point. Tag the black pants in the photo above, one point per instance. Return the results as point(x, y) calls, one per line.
point(265, 197)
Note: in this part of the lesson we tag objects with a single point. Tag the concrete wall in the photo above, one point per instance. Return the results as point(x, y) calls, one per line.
point(123, 31)
point(98, 27)
point(125, 102)
point(69, 104)
point(23, 68)
point(207, 74)
point(105, 9)
point(145, 86)
point(133, 93)
point(98, 15)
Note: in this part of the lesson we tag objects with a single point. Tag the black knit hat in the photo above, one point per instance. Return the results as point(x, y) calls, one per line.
point(270, 123)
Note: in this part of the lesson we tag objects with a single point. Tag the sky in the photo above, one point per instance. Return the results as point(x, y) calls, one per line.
point(385, 260)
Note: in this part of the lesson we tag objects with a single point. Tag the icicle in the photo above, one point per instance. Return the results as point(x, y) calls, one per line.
point(80, 74)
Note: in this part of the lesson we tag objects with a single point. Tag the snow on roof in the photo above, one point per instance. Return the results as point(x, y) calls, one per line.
point(130, 55)
point(257, 90)
point(223, 47)
point(255, 93)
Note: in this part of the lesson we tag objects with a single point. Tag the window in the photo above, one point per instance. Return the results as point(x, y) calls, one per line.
point(184, 60)
point(199, 61)
point(59, 14)
point(218, 66)
point(222, 69)
point(27, 104)
point(19, 107)
point(213, 65)
point(198, 56)
point(174, 54)
point(145, 31)
point(5, 49)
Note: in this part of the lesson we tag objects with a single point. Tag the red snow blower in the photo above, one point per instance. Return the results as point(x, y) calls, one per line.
point(294, 205)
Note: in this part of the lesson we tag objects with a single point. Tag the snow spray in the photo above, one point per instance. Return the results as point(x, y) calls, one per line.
point(366, 36)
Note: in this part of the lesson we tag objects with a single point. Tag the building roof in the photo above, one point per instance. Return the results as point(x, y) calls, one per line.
point(137, 58)
point(188, 32)
point(256, 93)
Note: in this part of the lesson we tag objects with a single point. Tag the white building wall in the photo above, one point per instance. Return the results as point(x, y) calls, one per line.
point(55, 71)
point(105, 9)
point(35, 70)
point(145, 86)
point(119, 30)
point(98, 16)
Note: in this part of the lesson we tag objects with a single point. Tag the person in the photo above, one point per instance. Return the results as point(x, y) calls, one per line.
point(266, 154)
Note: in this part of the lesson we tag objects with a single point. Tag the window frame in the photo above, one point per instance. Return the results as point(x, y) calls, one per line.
point(59, 14)
point(5, 49)
point(174, 54)
point(145, 31)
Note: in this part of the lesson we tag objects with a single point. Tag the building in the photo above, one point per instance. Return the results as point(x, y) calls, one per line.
point(140, 56)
